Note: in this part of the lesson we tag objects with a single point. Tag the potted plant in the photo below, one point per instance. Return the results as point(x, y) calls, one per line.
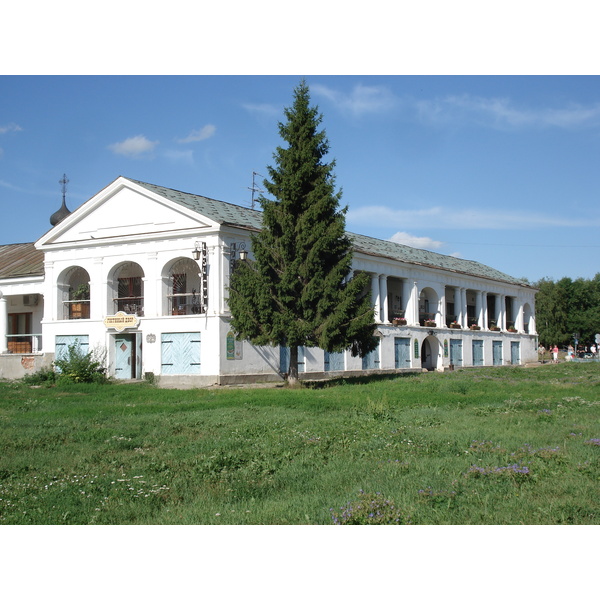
point(474, 327)
point(512, 329)
point(399, 321)
point(455, 325)
point(80, 301)
point(430, 323)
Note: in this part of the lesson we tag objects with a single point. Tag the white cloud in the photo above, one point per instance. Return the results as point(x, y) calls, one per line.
point(199, 134)
point(362, 99)
point(133, 146)
point(500, 112)
point(407, 239)
point(10, 127)
point(444, 218)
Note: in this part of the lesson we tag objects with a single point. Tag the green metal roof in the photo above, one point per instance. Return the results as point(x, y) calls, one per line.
point(223, 213)
point(238, 216)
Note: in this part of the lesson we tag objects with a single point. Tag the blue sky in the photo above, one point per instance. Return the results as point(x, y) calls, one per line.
point(498, 169)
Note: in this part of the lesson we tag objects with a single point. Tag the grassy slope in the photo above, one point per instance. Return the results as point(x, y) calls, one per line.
point(136, 454)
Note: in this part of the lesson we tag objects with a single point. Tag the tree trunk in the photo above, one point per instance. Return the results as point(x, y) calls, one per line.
point(293, 368)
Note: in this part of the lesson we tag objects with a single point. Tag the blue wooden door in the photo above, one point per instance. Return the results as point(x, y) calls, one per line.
point(515, 353)
point(334, 361)
point(180, 353)
point(402, 352)
point(125, 356)
point(284, 359)
point(478, 353)
point(62, 343)
point(497, 353)
point(456, 356)
point(371, 360)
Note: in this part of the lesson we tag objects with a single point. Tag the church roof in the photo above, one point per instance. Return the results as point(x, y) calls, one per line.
point(20, 260)
point(240, 216)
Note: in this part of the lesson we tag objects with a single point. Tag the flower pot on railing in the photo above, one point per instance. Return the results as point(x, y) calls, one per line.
point(455, 326)
point(512, 330)
point(494, 328)
point(399, 321)
point(429, 323)
point(474, 328)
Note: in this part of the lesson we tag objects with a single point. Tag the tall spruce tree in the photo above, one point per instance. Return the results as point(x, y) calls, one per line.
point(297, 290)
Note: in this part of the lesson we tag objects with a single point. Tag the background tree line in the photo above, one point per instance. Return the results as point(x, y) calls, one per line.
point(565, 307)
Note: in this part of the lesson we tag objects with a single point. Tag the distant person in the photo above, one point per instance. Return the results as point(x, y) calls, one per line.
point(555, 354)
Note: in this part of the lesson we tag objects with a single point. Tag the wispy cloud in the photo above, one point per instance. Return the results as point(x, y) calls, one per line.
point(501, 112)
point(361, 100)
point(445, 218)
point(199, 135)
point(133, 146)
point(407, 239)
point(10, 127)
point(177, 156)
point(264, 110)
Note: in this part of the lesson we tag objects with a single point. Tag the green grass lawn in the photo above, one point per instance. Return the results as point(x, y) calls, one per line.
point(480, 446)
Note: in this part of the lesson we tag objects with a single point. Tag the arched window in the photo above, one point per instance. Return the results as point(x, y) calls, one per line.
point(74, 289)
point(186, 294)
point(128, 289)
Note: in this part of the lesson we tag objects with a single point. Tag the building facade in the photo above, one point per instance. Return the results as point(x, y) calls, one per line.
point(141, 272)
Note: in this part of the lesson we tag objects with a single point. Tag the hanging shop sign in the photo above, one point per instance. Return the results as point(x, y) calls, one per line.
point(121, 321)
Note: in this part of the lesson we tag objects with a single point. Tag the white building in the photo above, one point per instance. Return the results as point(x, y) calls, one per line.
point(142, 272)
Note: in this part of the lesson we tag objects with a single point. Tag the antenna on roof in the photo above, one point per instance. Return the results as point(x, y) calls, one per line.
point(254, 189)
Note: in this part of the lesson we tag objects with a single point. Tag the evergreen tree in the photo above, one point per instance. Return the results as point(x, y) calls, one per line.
point(297, 291)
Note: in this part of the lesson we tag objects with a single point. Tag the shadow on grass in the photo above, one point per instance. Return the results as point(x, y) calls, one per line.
point(361, 380)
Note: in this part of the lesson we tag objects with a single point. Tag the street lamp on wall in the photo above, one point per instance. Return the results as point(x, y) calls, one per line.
point(196, 253)
point(243, 254)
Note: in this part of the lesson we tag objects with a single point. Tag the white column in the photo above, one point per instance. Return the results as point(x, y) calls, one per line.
point(406, 301)
point(383, 299)
point(98, 291)
point(519, 321)
point(414, 305)
point(484, 311)
point(375, 296)
point(151, 301)
point(502, 313)
point(463, 302)
point(443, 309)
point(3, 324)
point(478, 310)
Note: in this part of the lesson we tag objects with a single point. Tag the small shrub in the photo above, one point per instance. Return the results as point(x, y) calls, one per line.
point(46, 375)
point(81, 367)
point(370, 509)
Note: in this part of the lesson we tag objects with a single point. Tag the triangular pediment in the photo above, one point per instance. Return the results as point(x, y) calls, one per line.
point(125, 210)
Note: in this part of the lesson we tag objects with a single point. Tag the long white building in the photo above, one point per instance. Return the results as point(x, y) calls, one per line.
point(142, 272)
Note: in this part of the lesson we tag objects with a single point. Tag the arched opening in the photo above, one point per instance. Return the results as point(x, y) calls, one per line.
point(430, 353)
point(74, 294)
point(428, 307)
point(127, 289)
point(528, 323)
point(184, 290)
